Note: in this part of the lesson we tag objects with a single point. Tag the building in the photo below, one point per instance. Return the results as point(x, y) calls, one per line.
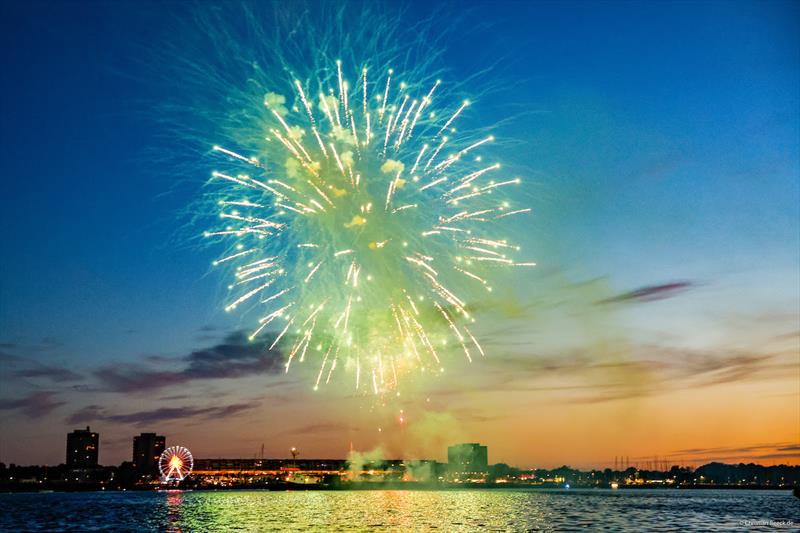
point(237, 472)
point(83, 446)
point(468, 458)
point(271, 466)
point(147, 448)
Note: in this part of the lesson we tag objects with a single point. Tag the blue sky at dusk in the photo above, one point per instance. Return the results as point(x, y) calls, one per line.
point(660, 144)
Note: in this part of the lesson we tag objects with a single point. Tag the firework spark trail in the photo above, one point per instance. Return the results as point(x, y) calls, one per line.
point(393, 282)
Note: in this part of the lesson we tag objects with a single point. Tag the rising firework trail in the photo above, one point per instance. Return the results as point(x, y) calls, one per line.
point(363, 227)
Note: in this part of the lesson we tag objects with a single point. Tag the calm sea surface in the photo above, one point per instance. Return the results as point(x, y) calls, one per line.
point(393, 510)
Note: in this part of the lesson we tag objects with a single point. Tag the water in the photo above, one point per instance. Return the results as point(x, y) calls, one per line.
point(397, 510)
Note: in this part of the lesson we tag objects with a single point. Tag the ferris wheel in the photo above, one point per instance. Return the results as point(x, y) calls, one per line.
point(175, 463)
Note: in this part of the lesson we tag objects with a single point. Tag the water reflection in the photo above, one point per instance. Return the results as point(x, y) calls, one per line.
point(495, 510)
point(458, 510)
point(174, 515)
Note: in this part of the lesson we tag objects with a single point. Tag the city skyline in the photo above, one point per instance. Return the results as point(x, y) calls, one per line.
point(82, 457)
point(156, 467)
point(660, 158)
point(149, 441)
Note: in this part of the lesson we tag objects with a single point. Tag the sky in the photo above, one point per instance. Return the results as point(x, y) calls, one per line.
point(660, 144)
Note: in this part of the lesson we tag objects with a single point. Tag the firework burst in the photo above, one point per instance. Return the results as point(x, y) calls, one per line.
point(363, 227)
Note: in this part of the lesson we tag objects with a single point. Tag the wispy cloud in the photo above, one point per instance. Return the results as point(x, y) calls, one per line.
point(783, 446)
point(632, 370)
point(54, 373)
point(24, 361)
point(234, 357)
point(753, 452)
point(650, 293)
point(35, 405)
point(321, 427)
point(45, 344)
point(94, 413)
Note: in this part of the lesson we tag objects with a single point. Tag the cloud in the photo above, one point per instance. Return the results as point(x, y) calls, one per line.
point(753, 452)
point(322, 427)
point(174, 397)
point(45, 344)
point(28, 367)
point(35, 405)
point(8, 358)
point(718, 366)
point(650, 293)
point(591, 375)
point(94, 413)
point(619, 393)
point(234, 357)
point(54, 373)
point(208, 332)
point(780, 446)
point(473, 414)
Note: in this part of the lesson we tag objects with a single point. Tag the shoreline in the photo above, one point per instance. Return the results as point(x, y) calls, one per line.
point(404, 486)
